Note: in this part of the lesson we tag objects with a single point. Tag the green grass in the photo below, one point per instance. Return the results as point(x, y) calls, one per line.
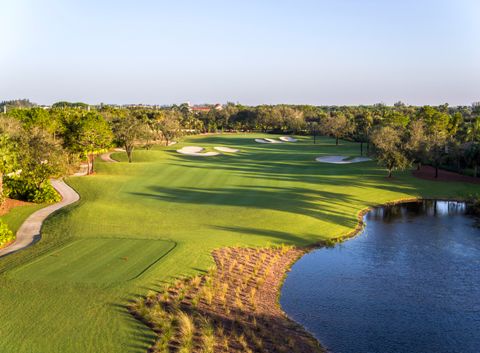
point(17, 215)
point(267, 194)
point(100, 261)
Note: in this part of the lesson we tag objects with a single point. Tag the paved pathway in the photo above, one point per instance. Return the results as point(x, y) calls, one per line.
point(29, 232)
point(107, 157)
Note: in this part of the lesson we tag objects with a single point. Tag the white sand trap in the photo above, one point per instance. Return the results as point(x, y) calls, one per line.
point(272, 140)
point(226, 149)
point(267, 140)
point(287, 139)
point(191, 149)
point(196, 151)
point(341, 159)
point(171, 143)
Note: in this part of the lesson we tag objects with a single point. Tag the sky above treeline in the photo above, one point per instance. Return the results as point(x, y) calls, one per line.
point(336, 52)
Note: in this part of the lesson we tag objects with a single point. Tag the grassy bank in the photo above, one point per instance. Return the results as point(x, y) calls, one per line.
point(265, 195)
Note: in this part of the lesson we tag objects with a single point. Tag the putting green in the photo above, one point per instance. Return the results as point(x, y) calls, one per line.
point(100, 261)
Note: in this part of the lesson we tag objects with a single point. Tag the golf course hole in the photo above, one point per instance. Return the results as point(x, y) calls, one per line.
point(98, 260)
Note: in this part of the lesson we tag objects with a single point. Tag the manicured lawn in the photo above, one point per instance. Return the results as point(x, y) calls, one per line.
point(100, 261)
point(17, 215)
point(264, 195)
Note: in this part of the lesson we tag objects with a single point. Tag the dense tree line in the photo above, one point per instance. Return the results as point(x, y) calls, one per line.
point(37, 144)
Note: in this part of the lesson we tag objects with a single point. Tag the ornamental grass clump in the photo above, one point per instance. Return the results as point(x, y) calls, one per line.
point(186, 330)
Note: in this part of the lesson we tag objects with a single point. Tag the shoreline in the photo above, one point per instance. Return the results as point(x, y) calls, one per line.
point(239, 298)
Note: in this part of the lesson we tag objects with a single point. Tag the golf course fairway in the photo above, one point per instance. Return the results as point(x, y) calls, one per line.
point(139, 225)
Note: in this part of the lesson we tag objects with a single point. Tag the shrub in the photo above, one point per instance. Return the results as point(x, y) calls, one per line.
point(6, 235)
point(23, 189)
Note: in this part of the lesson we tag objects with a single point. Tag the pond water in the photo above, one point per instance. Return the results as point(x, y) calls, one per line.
point(410, 282)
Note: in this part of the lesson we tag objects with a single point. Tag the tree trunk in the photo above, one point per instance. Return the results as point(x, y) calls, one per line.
point(419, 165)
point(92, 158)
point(368, 148)
point(129, 150)
point(436, 172)
point(361, 148)
point(336, 140)
point(475, 170)
point(390, 173)
point(88, 164)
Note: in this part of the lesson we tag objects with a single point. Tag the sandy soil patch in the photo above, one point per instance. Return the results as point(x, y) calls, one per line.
point(8, 204)
point(232, 309)
point(196, 151)
point(427, 172)
point(288, 139)
point(227, 149)
point(341, 159)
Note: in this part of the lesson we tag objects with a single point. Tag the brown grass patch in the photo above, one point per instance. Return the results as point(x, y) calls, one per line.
point(232, 309)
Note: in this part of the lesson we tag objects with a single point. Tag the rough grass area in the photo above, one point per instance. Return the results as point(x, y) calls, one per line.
point(100, 261)
point(232, 309)
point(267, 195)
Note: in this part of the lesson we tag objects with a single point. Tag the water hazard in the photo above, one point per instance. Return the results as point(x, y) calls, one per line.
point(409, 283)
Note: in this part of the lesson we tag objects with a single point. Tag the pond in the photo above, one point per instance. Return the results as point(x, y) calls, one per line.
point(410, 282)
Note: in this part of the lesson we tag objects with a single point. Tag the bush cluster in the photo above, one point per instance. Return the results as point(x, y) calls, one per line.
point(23, 189)
point(6, 235)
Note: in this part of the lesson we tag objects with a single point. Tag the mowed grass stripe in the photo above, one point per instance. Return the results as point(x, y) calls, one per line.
point(100, 261)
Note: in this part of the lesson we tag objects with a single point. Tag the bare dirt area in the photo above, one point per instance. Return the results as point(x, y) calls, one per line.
point(8, 204)
point(233, 308)
point(427, 172)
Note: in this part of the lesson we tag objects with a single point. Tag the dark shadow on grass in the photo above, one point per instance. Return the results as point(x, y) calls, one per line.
point(280, 237)
point(317, 204)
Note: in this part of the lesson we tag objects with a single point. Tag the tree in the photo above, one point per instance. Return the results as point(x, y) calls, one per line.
point(169, 125)
point(9, 131)
point(416, 144)
point(40, 157)
point(472, 155)
point(473, 130)
point(8, 159)
point(128, 132)
point(363, 127)
point(388, 146)
point(88, 134)
point(337, 125)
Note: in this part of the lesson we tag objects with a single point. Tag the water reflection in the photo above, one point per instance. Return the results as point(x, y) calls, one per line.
point(418, 208)
point(409, 283)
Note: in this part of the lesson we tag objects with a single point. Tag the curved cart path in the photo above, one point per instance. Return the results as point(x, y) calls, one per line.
point(107, 157)
point(29, 232)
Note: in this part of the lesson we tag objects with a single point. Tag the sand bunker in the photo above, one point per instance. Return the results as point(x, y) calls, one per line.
point(287, 139)
point(341, 159)
point(267, 140)
point(196, 151)
point(272, 140)
point(226, 149)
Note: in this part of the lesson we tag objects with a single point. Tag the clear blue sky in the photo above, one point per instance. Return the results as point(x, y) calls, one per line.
point(253, 52)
